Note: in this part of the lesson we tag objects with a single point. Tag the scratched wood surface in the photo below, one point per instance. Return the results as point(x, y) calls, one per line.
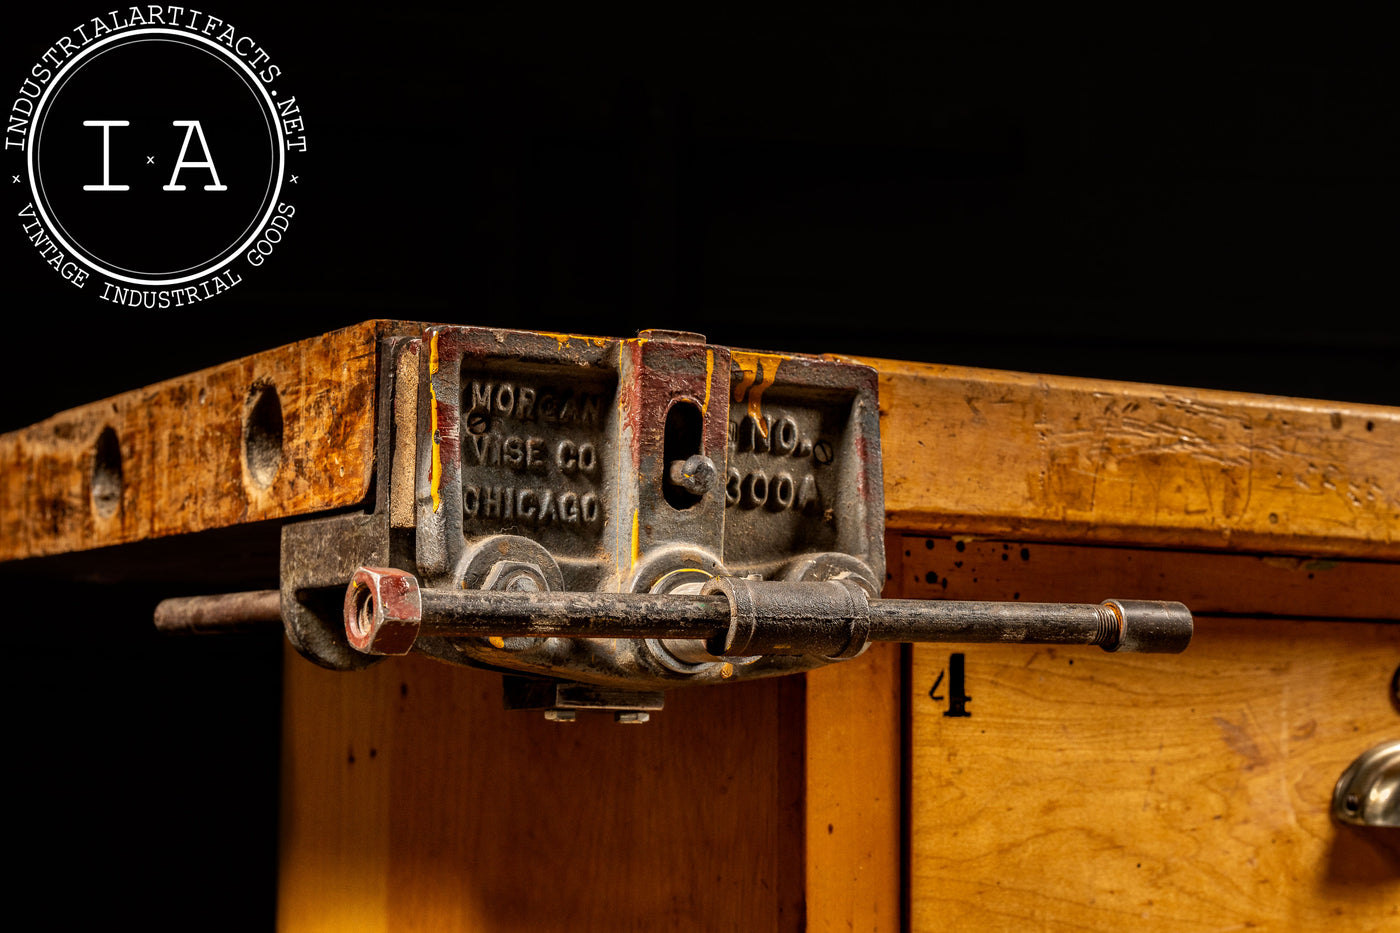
point(1090, 791)
point(170, 458)
point(1058, 459)
point(973, 451)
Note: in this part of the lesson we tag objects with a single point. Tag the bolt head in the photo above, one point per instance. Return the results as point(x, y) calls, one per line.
point(695, 475)
point(383, 610)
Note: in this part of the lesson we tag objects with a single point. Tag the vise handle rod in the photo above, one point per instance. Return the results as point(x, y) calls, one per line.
point(386, 610)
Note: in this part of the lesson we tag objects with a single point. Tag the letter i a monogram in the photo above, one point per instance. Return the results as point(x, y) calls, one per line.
point(192, 128)
point(106, 155)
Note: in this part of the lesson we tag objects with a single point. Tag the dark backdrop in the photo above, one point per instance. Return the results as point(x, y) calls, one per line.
point(1203, 198)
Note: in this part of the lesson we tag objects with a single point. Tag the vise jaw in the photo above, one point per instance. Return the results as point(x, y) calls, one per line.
point(525, 462)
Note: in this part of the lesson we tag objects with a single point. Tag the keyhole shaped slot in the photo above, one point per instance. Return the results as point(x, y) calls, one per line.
point(685, 426)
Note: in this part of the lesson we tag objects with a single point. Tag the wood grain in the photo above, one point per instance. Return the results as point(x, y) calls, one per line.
point(1090, 791)
point(1011, 455)
point(181, 444)
point(410, 791)
point(853, 789)
point(337, 747)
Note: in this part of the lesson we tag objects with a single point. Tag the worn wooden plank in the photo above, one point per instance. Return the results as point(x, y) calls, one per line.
point(481, 819)
point(175, 454)
point(1011, 455)
point(965, 451)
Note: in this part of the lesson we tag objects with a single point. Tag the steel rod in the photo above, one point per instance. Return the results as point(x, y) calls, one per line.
point(476, 613)
point(253, 611)
point(932, 620)
point(487, 613)
point(1115, 625)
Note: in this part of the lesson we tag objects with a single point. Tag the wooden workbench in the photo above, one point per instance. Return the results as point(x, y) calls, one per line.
point(1084, 791)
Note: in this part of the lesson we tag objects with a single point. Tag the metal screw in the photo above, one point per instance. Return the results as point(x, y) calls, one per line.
point(631, 716)
point(695, 475)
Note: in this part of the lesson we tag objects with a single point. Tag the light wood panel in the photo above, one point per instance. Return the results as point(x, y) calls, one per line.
point(853, 794)
point(1091, 791)
point(1012, 455)
point(337, 753)
point(181, 451)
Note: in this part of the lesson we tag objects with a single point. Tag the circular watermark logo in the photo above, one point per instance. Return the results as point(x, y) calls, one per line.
point(155, 155)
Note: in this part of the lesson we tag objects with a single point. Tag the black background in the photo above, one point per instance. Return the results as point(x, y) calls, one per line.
point(1198, 197)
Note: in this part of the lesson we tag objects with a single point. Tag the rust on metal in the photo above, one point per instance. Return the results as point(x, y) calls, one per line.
point(259, 610)
point(383, 610)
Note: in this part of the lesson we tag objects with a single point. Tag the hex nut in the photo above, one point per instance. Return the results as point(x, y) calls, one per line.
point(383, 611)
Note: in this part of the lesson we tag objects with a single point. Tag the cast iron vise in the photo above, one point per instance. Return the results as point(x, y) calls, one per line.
point(602, 519)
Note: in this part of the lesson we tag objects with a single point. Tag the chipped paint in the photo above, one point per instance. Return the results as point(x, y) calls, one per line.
point(750, 372)
point(563, 339)
point(709, 375)
point(636, 542)
point(752, 385)
point(435, 477)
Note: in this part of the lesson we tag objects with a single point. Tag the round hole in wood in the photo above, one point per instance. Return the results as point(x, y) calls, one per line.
point(107, 474)
point(262, 434)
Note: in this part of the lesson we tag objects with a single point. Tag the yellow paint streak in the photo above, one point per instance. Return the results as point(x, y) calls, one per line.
point(563, 339)
point(709, 374)
point(433, 355)
point(748, 365)
point(636, 541)
point(751, 365)
point(435, 478)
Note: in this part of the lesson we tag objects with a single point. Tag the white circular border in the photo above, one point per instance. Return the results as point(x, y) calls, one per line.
point(257, 228)
point(230, 249)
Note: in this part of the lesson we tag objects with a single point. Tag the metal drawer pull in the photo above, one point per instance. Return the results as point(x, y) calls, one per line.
point(1368, 792)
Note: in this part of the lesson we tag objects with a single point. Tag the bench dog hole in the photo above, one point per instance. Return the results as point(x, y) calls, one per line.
point(107, 474)
point(262, 433)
